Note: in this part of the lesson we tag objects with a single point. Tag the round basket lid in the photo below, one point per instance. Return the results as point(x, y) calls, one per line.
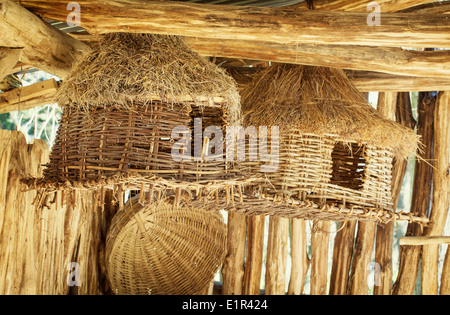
point(159, 249)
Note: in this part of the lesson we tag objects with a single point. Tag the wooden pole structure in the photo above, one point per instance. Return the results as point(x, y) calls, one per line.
point(28, 97)
point(8, 59)
point(320, 236)
point(254, 255)
point(445, 277)
point(277, 250)
point(342, 258)
point(410, 255)
point(299, 257)
point(277, 25)
point(43, 45)
point(233, 267)
point(441, 193)
point(424, 240)
point(387, 105)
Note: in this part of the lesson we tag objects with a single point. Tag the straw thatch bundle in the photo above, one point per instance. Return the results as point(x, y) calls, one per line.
point(125, 68)
point(321, 101)
point(155, 249)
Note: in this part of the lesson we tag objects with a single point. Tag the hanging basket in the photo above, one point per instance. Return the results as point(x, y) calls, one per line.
point(334, 151)
point(157, 249)
point(134, 114)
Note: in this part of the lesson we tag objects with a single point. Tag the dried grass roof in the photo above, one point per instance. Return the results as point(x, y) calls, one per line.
point(125, 67)
point(321, 101)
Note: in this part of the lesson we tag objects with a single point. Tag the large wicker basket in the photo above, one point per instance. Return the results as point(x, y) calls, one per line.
point(156, 249)
point(335, 151)
point(121, 108)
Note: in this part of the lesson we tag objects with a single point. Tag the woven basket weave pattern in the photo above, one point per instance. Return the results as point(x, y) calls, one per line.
point(158, 249)
point(322, 171)
point(108, 141)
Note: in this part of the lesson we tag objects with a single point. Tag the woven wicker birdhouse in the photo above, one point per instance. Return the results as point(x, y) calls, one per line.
point(127, 104)
point(156, 249)
point(335, 152)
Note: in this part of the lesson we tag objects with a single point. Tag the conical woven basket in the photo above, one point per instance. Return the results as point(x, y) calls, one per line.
point(159, 249)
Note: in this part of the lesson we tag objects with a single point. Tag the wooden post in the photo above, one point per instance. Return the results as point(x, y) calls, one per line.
point(387, 104)
point(410, 255)
point(342, 258)
point(445, 277)
point(441, 193)
point(299, 257)
point(320, 236)
point(365, 238)
point(233, 267)
point(254, 256)
point(275, 279)
point(8, 59)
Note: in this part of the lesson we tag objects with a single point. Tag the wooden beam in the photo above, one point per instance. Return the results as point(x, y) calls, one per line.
point(277, 25)
point(441, 193)
point(28, 97)
point(424, 240)
point(368, 81)
point(361, 5)
point(381, 59)
point(387, 104)
point(43, 46)
point(8, 59)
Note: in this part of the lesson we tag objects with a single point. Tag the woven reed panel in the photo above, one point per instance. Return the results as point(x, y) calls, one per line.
point(110, 141)
point(159, 249)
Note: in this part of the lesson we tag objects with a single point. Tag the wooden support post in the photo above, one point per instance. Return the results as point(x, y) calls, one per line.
point(44, 46)
point(320, 237)
point(342, 258)
point(275, 279)
point(8, 59)
point(254, 256)
point(362, 255)
point(299, 257)
point(233, 267)
point(410, 255)
point(441, 193)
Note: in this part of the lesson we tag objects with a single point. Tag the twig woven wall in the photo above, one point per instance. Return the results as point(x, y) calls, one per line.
point(121, 105)
point(335, 150)
point(156, 249)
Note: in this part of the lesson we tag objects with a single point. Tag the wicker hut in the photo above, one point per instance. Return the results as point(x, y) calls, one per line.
point(155, 249)
point(121, 105)
point(335, 150)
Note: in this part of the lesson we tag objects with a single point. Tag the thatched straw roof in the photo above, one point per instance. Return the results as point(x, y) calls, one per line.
point(125, 67)
point(321, 101)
